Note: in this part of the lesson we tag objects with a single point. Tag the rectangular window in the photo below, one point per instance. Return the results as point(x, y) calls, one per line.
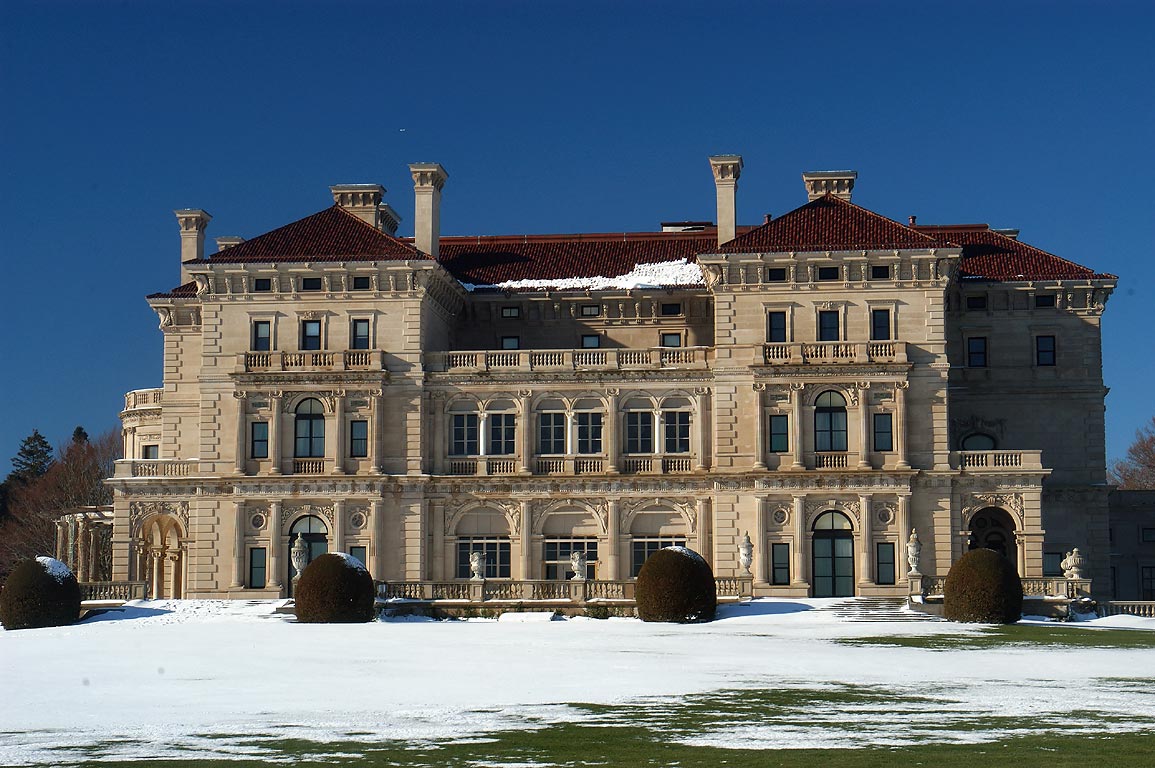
point(551, 433)
point(150, 451)
point(262, 285)
point(463, 434)
point(556, 557)
point(1148, 536)
point(257, 569)
point(677, 427)
point(360, 336)
point(671, 339)
point(502, 434)
point(360, 554)
point(358, 439)
point(879, 272)
point(310, 283)
point(589, 433)
point(511, 342)
point(776, 274)
point(880, 324)
point(361, 283)
point(643, 548)
point(671, 309)
point(639, 432)
point(779, 564)
point(884, 562)
point(510, 313)
point(779, 433)
point(591, 341)
point(1147, 583)
point(776, 327)
point(1052, 563)
point(1044, 300)
point(977, 352)
point(591, 310)
point(310, 334)
point(259, 440)
point(828, 325)
point(1044, 351)
point(883, 432)
point(262, 336)
point(497, 556)
point(828, 273)
point(976, 302)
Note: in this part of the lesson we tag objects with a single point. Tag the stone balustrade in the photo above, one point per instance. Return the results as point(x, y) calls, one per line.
point(462, 592)
point(348, 360)
point(308, 466)
point(1056, 587)
point(834, 352)
point(1144, 608)
point(526, 361)
point(995, 461)
point(156, 468)
point(103, 591)
point(142, 398)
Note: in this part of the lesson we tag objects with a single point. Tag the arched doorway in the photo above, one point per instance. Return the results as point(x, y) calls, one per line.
point(833, 556)
point(160, 557)
point(314, 533)
point(993, 528)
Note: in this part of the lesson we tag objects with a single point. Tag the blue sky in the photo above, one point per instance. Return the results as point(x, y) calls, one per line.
point(550, 117)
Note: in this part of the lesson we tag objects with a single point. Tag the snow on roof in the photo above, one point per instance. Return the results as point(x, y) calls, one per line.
point(667, 273)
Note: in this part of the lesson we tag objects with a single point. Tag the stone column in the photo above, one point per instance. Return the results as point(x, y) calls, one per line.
point(157, 563)
point(761, 559)
point(1020, 552)
point(526, 540)
point(613, 529)
point(275, 435)
point(864, 428)
point(377, 446)
point(377, 545)
point(703, 430)
point(274, 524)
point(900, 424)
point(482, 436)
point(903, 515)
point(610, 432)
point(759, 428)
point(703, 524)
point(339, 434)
point(526, 436)
point(338, 525)
point(796, 425)
point(238, 545)
point(799, 515)
point(866, 567)
point(440, 434)
point(60, 539)
point(242, 444)
point(175, 560)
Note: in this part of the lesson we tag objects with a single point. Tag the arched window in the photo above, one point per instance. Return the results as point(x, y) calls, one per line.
point(830, 422)
point(978, 442)
point(309, 429)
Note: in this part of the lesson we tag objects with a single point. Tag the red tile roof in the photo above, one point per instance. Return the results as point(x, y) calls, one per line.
point(993, 256)
point(181, 291)
point(333, 234)
point(491, 260)
point(828, 224)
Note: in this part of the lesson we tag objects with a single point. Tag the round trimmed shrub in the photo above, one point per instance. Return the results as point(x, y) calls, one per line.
point(39, 593)
point(676, 584)
point(335, 589)
point(983, 586)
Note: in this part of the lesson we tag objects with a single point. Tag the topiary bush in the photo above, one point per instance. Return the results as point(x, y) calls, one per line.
point(983, 586)
point(335, 589)
point(676, 584)
point(39, 593)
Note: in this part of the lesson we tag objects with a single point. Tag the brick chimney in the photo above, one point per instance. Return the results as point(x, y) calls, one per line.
point(428, 179)
point(192, 222)
point(727, 169)
point(837, 183)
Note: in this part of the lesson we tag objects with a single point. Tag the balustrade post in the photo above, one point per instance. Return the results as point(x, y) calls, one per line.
point(275, 435)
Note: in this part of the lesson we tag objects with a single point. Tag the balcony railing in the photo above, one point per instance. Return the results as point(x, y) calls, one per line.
point(142, 398)
point(524, 361)
point(570, 592)
point(156, 467)
point(834, 352)
point(995, 461)
point(308, 466)
point(830, 460)
point(348, 360)
point(107, 591)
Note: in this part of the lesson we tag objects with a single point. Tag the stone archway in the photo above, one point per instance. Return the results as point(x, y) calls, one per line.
point(993, 528)
point(160, 560)
point(832, 555)
point(314, 533)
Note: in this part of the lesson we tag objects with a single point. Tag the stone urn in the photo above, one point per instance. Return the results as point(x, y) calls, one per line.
point(299, 555)
point(1073, 565)
point(746, 552)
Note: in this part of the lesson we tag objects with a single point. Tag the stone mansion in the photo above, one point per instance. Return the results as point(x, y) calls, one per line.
point(825, 383)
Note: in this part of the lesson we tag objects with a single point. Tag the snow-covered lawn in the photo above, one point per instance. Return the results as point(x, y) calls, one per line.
point(197, 678)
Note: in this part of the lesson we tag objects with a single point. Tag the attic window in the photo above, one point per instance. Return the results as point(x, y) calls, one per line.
point(671, 309)
point(510, 313)
point(828, 273)
point(591, 310)
point(310, 283)
point(879, 272)
point(262, 285)
point(776, 275)
point(1044, 300)
point(976, 302)
point(360, 282)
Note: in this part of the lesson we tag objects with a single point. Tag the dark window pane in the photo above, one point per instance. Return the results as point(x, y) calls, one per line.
point(310, 334)
point(360, 553)
point(259, 445)
point(150, 451)
point(510, 312)
point(639, 432)
point(1044, 350)
point(310, 284)
point(257, 569)
point(880, 324)
point(1043, 300)
point(779, 563)
point(591, 310)
point(510, 342)
point(262, 285)
point(883, 432)
point(589, 437)
point(262, 336)
point(779, 434)
point(879, 272)
point(828, 273)
point(358, 439)
point(671, 309)
point(828, 326)
point(591, 341)
point(671, 339)
point(977, 352)
point(976, 302)
point(776, 275)
point(776, 327)
point(551, 433)
point(677, 427)
point(360, 336)
point(885, 563)
point(361, 283)
point(502, 430)
point(463, 434)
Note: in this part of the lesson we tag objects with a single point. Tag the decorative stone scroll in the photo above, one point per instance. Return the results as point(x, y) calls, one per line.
point(298, 510)
point(139, 510)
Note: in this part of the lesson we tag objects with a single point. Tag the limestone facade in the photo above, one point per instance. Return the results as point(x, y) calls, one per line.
point(825, 382)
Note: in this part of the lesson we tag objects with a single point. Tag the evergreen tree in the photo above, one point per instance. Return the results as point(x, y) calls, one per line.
point(33, 459)
point(79, 435)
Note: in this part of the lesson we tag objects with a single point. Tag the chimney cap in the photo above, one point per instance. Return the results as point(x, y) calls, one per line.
point(726, 167)
point(428, 174)
point(821, 183)
point(228, 241)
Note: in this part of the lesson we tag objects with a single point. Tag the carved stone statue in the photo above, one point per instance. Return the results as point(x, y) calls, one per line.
point(913, 552)
point(577, 563)
point(746, 552)
point(299, 555)
point(1073, 565)
point(477, 566)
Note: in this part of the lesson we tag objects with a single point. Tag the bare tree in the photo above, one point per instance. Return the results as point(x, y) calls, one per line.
point(75, 479)
point(1137, 470)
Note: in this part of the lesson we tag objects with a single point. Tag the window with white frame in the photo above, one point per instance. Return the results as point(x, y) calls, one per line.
point(359, 333)
point(676, 426)
point(639, 431)
point(463, 434)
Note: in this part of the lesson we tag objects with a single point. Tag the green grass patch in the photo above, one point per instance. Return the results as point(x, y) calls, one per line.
point(1015, 635)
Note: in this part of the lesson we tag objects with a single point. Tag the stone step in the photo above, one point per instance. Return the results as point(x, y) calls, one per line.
point(877, 609)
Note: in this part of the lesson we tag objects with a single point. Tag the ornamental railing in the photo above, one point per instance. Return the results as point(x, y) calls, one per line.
point(834, 352)
point(111, 590)
point(156, 467)
point(995, 461)
point(1046, 587)
point(462, 591)
point(1144, 608)
point(142, 398)
point(526, 361)
point(347, 360)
